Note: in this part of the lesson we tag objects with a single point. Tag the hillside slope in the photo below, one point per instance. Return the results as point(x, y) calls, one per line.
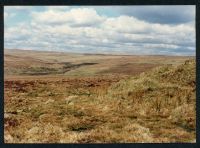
point(155, 106)
point(166, 93)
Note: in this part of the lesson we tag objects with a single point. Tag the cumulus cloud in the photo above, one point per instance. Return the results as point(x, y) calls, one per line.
point(75, 17)
point(85, 30)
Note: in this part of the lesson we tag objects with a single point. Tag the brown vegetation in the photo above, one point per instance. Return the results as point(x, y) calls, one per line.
point(157, 105)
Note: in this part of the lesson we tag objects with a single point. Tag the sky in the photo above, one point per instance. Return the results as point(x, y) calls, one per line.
point(139, 30)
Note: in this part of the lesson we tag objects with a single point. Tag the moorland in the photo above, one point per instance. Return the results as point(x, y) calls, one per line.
point(58, 97)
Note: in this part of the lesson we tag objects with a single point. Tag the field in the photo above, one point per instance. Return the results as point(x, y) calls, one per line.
point(55, 97)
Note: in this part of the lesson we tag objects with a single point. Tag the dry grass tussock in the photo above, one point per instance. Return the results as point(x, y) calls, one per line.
point(155, 106)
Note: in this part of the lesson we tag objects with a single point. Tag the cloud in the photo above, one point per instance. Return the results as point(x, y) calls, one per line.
point(75, 17)
point(85, 30)
point(126, 24)
point(160, 14)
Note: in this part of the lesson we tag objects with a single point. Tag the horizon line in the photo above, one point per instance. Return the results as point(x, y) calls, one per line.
point(106, 54)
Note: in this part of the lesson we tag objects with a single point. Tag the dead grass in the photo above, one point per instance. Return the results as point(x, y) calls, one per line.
point(155, 106)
